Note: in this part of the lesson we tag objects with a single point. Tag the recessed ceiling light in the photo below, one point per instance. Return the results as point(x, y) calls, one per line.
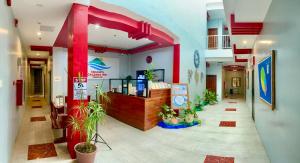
point(266, 42)
point(245, 42)
point(38, 54)
point(39, 33)
point(97, 26)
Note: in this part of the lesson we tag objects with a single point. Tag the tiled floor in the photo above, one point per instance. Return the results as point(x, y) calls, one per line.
point(129, 145)
point(218, 159)
point(37, 119)
point(39, 151)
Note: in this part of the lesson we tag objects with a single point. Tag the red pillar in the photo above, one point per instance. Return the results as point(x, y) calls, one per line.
point(176, 64)
point(77, 60)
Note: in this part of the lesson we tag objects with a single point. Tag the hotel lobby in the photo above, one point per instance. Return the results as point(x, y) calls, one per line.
point(123, 81)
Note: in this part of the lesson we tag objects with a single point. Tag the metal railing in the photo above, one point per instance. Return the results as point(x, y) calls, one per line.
point(218, 42)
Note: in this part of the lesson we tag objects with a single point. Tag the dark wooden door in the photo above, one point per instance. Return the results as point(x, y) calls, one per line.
point(211, 83)
point(212, 38)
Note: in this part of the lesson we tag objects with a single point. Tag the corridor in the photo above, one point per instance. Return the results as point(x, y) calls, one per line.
point(130, 145)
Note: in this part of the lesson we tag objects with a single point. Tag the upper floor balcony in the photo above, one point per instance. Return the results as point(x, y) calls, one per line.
point(218, 42)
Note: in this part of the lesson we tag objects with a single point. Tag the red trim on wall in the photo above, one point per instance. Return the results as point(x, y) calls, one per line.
point(241, 51)
point(42, 48)
point(253, 60)
point(8, 2)
point(245, 28)
point(176, 64)
point(240, 60)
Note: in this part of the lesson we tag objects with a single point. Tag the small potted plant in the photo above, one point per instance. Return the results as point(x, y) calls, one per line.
point(168, 115)
point(83, 121)
point(210, 97)
point(149, 75)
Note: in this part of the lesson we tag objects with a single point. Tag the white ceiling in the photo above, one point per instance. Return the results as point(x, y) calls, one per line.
point(113, 38)
point(246, 11)
point(34, 13)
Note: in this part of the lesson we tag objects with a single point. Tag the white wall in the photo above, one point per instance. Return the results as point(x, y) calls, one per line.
point(161, 59)
point(59, 72)
point(279, 129)
point(60, 66)
point(10, 51)
point(216, 69)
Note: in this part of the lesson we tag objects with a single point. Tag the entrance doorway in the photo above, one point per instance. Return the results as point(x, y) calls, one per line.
point(211, 83)
point(253, 96)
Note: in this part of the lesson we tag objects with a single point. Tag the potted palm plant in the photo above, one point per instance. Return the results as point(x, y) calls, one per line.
point(84, 122)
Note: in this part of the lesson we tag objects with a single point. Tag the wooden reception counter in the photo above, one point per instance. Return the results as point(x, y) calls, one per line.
point(139, 112)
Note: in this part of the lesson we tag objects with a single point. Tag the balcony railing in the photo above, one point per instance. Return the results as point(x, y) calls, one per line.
point(218, 42)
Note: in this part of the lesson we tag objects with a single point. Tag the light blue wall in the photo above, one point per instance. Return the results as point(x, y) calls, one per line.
point(186, 20)
point(10, 51)
point(161, 59)
point(280, 129)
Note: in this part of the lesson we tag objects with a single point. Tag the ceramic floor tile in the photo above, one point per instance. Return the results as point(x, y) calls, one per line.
point(230, 109)
point(35, 119)
point(39, 151)
point(227, 124)
point(218, 159)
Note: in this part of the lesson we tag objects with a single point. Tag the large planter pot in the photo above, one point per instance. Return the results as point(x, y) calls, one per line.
point(84, 157)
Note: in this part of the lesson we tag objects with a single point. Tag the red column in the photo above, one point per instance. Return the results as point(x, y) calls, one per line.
point(176, 64)
point(77, 61)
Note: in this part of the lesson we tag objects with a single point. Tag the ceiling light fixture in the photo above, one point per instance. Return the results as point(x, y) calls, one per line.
point(39, 33)
point(38, 54)
point(244, 42)
point(266, 42)
point(97, 26)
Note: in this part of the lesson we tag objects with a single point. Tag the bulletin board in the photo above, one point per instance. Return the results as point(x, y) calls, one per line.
point(179, 96)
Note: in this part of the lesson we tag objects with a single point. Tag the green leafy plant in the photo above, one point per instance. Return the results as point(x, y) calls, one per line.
point(85, 118)
point(149, 73)
point(210, 97)
point(198, 103)
point(167, 113)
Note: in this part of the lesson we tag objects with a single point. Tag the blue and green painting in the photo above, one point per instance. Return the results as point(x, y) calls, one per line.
point(265, 79)
point(98, 64)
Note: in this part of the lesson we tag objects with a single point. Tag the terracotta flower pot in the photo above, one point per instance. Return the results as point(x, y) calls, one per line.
point(85, 157)
point(174, 121)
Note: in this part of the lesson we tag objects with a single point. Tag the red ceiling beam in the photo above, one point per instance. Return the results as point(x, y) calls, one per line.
point(102, 49)
point(135, 29)
point(8, 2)
point(245, 28)
point(241, 51)
point(42, 48)
point(240, 60)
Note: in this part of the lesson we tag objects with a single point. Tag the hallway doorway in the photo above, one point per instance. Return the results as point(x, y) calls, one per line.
point(234, 82)
point(211, 83)
point(37, 82)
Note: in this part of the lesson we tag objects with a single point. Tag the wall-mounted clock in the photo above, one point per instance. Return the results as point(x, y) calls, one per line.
point(149, 59)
